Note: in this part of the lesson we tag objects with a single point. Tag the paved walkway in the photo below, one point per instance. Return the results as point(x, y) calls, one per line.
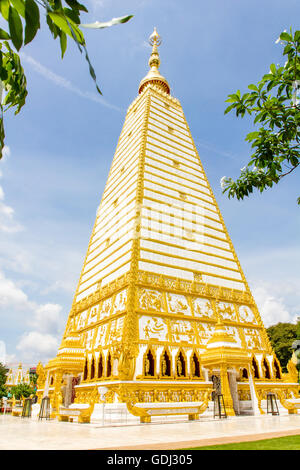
point(25, 433)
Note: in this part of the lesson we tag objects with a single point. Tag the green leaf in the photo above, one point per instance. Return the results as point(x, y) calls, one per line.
point(4, 7)
point(19, 6)
point(72, 14)
point(60, 21)
point(285, 37)
point(15, 28)
point(229, 108)
point(252, 135)
point(107, 24)
point(76, 6)
point(253, 87)
point(63, 43)
point(32, 18)
point(67, 26)
point(4, 34)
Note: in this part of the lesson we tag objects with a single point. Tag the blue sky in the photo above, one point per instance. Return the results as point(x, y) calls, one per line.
point(60, 147)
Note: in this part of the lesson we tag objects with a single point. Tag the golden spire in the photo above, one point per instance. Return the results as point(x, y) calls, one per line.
point(153, 76)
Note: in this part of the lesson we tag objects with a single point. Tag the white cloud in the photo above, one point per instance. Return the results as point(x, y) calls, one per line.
point(47, 319)
point(10, 360)
point(35, 346)
point(5, 153)
point(7, 222)
point(277, 301)
point(10, 295)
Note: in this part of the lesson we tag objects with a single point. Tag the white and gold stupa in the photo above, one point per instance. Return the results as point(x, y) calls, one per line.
point(162, 303)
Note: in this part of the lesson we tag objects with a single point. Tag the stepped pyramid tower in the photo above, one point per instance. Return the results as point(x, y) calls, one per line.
point(162, 305)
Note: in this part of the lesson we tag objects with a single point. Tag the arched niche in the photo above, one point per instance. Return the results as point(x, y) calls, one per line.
point(100, 368)
point(266, 368)
point(92, 373)
point(180, 365)
point(276, 368)
point(85, 370)
point(165, 364)
point(255, 368)
point(108, 366)
point(195, 365)
point(149, 363)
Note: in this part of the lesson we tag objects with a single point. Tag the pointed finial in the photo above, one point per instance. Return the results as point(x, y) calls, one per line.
point(153, 75)
point(155, 38)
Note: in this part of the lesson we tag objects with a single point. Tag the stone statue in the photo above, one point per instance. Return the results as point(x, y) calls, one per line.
point(179, 367)
point(147, 366)
point(163, 366)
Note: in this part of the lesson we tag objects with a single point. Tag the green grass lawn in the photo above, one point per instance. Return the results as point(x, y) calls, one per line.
point(278, 443)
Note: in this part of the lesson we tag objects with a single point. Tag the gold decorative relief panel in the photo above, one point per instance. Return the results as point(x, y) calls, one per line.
point(182, 331)
point(252, 338)
point(246, 314)
point(151, 300)
point(178, 304)
point(93, 315)
point(205, 332)
point(226, 311)
point(101, 336)
point(153, 328)
point(106, 308)
point(202, 308)
point(116, 330)
point(233, 331)
point(120, 302)
point(81, 319)
point(89, 336)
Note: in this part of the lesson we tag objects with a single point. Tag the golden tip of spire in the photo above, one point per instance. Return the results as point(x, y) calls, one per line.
point(153, 75)
point(155, 38)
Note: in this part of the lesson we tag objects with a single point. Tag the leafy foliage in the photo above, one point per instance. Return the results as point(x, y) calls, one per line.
point(23, 23)
point(21, 390)
point(3, 391)
point(3, 377)
point(282, 336)
point(3, 373)
point(275, 105)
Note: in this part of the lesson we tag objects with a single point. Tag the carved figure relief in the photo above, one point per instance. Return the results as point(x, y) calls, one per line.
point(233, 331)
point(89, 339)
point(116, 330)
point(93, 315)
point(153, 328)
point(252, 338)
point(106, 308)
point(101, 334)
point(151, 300)
point(182, 331)
point(226, 311)
point(202, 308)
point(178, 304)
point(82, 319)
point(205, 331)
point(246, 314)
point(120, 302)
